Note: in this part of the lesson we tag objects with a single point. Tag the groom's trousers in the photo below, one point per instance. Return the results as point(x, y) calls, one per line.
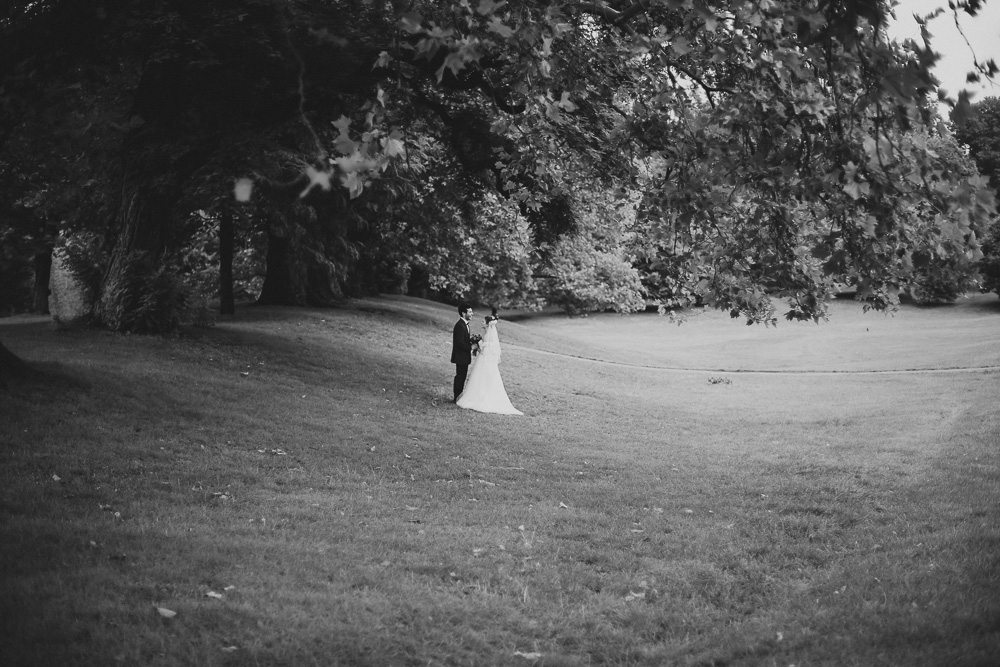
point(461, 372)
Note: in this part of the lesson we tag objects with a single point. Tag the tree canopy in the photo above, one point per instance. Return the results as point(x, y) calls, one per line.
point(726, 152)
point(979, 130)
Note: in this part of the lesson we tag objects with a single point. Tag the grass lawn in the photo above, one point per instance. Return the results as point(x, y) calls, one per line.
point(292, 487)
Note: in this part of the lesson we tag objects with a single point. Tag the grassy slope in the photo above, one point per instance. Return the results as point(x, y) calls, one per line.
point(310, 461)
point(959, 335)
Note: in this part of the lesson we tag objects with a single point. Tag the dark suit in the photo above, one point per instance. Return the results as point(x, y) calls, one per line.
point(461, 354)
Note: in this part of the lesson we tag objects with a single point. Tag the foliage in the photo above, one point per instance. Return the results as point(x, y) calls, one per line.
point(979, 130)
point(198, 264)
point(769, 134)
point(763, 138)
point(585, 279)
point(84, 258)
point(154, 298)
point(989, 266)
point(15, 271)
point(590, 268)
point(483, 258)
point(941, 274)
point(62, 118)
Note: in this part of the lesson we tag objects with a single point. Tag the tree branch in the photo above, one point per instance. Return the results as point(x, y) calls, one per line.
point(619, 19)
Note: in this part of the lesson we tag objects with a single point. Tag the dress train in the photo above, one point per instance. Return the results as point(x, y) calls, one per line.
point(484, 392)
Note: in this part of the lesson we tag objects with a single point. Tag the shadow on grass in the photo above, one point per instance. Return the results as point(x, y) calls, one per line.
point(976, 302)
point(410, 309)
point(550, 313)
point(44, 376)
point(19, 375)
point(362, 365)
point(986, 306)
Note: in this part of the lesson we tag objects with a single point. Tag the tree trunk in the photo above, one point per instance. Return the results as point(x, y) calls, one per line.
point(280, 287)
point(141, 221)
point(43, 271)
point(227, 306)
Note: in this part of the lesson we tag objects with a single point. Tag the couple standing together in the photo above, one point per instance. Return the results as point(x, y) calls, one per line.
point(481, 389)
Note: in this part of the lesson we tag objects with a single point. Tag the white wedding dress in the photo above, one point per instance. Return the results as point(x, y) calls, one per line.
point(484, 390)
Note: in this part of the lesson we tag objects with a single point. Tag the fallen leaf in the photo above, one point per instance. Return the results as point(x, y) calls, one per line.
point(56, 478)
point(563, 506)
point(213, 594)
point(641, 595)
point(165, 613)
point(534, 655)
point(411, 509)
point(228, 649)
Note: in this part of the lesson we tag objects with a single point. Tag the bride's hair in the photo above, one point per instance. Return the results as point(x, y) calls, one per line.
point(492, 316)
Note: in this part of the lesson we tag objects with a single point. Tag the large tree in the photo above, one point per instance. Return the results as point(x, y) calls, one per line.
point(766, 137)
point(979, 130)
point(763, 136)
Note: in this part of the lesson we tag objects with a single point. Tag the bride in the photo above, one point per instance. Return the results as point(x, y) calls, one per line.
point(484, 391)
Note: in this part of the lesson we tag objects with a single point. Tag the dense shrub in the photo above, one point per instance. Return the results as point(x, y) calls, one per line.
point(199, 262)
point(588, 280)
point(941, 279)
point(154, 300)
point(85, 258)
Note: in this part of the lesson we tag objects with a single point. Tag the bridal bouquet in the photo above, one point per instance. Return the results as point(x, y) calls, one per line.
point(476, 339)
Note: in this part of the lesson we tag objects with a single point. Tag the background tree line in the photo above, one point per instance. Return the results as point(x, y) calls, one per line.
point(592, 155)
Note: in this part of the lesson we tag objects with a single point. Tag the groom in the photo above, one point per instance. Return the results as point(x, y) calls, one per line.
point(461, 348)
